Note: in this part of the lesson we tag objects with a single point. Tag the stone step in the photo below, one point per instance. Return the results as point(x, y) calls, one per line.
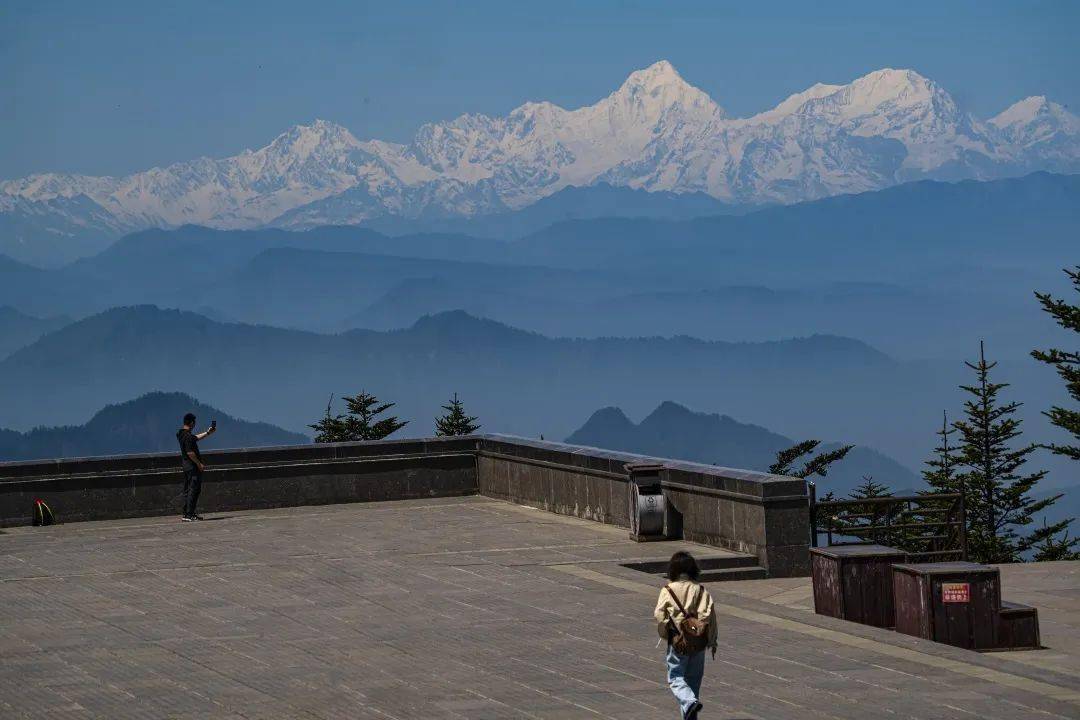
point(738, 573)
point(706, 563)
point(714, 568)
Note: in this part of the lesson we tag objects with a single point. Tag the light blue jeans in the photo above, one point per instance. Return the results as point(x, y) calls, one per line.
point(684, 673)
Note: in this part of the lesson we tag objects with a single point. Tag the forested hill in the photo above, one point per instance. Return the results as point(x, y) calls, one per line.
point(145, 424)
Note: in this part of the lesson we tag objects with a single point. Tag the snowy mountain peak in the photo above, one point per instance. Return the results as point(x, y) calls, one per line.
point(905, 106)
point(1023, 111)
point(794, 103)
point(659, 74)
point(895, 82)
point(890, 90)
point(301, 141)
point(1033, 109)
point(883, 91)
point(49, 186)
point(1043, 130)
point(659, 87)
point(655, 132)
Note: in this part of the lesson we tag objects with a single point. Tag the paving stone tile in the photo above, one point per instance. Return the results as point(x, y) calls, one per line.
point(450, 608)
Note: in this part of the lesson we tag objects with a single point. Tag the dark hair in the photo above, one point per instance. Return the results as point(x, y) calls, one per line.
point(189, 419)
point(683, 564)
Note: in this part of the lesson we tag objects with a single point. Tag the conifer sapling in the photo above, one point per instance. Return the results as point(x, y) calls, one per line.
point(455, 421)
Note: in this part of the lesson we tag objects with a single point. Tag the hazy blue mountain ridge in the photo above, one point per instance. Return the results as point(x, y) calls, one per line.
point(517, 381)
point(18, 330)
point(146, 424)
point(674, 431)
point(975, 250)
point(911, 232)
point(921, 290)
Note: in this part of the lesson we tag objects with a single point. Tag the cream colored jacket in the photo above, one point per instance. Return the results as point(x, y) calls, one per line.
point(688, 592)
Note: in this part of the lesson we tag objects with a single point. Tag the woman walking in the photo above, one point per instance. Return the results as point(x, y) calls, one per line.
point(686, 620)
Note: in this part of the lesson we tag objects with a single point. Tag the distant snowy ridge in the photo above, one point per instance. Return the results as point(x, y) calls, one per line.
point(656, 132)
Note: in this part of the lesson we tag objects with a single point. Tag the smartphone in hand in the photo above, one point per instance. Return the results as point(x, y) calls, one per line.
point(213, 424)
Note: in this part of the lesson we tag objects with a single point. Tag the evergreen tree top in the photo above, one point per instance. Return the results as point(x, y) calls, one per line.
point(941, 472)
point(455, 421)
point(870, 488)
point(359, 422)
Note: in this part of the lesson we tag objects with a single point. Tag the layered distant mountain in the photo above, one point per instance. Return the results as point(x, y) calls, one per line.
point(18, 329)
point(914, 229)
point(674, 431)
point(145, 424)
point(656, 133)
point(599, 200)
point(515, 381)
point(911, 229)
point(929, 256)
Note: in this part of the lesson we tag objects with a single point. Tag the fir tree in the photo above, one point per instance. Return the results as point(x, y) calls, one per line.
point(331, 428)
point(1054, 548)
point(942, 475)
point(360, 421)
point(455, 421)
point(361, 424)
point(873, 514)
point(1067, 363)
point(998, 504)
point(870, 489)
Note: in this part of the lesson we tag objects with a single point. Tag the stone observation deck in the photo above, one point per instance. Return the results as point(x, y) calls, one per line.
point(467, 600)
point(749, 512)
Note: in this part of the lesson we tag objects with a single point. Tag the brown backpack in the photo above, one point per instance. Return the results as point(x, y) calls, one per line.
point(691, 635)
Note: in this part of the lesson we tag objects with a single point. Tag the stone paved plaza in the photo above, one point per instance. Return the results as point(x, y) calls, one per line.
point(457, 608)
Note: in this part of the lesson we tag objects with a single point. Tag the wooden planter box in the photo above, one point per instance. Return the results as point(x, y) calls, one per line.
point(956, 603)
point(854, 582)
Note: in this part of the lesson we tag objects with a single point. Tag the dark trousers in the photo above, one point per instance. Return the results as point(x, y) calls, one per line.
point(192, 488)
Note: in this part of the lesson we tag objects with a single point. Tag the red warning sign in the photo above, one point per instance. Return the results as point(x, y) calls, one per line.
point(955, 592)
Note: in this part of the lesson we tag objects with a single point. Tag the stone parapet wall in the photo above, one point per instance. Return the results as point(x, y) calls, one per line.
point(243, 479)
point(745, 511)
point(741, 510)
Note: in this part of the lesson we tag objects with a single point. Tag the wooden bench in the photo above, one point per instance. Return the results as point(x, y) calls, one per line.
point(1018, 627)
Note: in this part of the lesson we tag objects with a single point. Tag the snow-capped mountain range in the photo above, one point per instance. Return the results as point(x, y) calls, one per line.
point(656, 132)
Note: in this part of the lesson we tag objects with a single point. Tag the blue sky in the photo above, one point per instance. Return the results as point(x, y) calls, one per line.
point(114, 87)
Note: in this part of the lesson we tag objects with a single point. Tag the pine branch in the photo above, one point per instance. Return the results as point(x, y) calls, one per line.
point(820, 464)
point(1067, 365)
point(785, 458)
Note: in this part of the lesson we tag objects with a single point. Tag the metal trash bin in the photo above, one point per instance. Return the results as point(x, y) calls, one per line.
point(955, 603)
point(647, 503)
point(854, 582)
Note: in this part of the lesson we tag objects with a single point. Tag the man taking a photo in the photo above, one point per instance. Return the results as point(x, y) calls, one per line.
point(193, 464)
